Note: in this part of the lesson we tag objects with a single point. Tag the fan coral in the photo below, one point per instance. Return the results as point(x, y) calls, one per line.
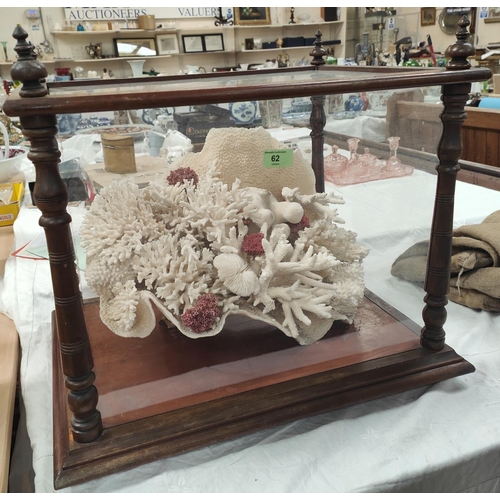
point(236, 274)
point(203, 250)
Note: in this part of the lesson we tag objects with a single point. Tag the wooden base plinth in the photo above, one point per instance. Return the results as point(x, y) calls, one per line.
point(168, 394)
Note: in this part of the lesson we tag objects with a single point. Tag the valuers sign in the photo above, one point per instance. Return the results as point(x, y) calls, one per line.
point(110, 13)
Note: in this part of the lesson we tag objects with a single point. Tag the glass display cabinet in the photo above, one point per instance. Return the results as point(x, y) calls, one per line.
point(113, 411)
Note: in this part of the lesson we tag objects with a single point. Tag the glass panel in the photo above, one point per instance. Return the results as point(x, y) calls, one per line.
point(234, 80)
point(388, 213)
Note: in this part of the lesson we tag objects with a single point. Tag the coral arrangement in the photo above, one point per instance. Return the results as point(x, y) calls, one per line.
point(238, 152)
point(201, 249)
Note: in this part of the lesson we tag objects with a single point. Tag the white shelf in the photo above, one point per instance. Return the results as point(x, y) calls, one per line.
point(283, 49)
point(117, 59)
point(205, 53)
point(116, 32)
point(102, 61)
point(43, 61)
point(191, 30)
point(267, 26)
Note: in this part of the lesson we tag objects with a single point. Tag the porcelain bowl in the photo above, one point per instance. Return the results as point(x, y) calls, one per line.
point(10, 166)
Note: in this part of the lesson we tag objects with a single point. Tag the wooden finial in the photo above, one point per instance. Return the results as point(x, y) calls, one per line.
point(458, 52)
point(27, 69)
point(318, 52)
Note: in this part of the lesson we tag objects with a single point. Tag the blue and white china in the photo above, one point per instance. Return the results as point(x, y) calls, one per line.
point(354, 103)
point(243, 112)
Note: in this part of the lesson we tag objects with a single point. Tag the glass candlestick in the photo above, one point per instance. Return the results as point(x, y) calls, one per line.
point(394, 163)
point(353, 147)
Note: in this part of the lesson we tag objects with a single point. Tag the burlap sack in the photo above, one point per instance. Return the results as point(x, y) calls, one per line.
point(475, 264)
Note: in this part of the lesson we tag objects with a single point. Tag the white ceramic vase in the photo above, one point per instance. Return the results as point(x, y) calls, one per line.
point(136, 65)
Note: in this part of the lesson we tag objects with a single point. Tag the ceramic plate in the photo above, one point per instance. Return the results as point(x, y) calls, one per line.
point(377, 113)
point(243, 112)
point(296, 118)
point(345, 115)
point(136, 131)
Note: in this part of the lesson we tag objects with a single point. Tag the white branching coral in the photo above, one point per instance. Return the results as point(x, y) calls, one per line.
point(201, 249)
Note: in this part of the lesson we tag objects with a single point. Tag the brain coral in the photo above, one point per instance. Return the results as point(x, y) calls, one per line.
point(245, 162)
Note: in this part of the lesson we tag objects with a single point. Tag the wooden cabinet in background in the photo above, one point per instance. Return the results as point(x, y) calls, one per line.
point(419, 126)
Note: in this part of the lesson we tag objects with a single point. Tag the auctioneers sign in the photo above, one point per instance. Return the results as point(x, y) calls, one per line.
point(115, 13)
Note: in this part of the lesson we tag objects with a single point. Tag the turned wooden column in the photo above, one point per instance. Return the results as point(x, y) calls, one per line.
point(52, 199)
point(437, 280)
point(318, 120)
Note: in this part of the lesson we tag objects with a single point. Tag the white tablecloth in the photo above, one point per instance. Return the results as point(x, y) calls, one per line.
point(445, 437)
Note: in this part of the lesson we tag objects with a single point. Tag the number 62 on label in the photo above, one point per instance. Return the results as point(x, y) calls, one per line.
point(278, 158)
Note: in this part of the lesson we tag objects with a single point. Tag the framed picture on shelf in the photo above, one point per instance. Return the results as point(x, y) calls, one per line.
point(249, 44)
point(427, 16)
point(493, 15)
point(192, 43)
point(252, 16)
point(135, 47)
point(167, 44)
point(213, 43)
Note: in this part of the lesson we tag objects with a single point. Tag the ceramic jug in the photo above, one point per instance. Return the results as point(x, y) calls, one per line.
point(378, 100)
point(92, 50)
point(354, 103)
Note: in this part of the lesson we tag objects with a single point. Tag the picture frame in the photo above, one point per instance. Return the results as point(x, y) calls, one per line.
point(213, 42)
point(192, 43)
point(427, 16)
point(449, 17)
point(135, 47)
point(249, 44)
point(252, 16)
point(493, 15)
point(167, 44)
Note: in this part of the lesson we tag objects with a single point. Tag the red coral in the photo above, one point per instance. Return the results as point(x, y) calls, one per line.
point(208, 299)
point(304, 222)
point(202, 316)
point(179, 175)
point(252, 244)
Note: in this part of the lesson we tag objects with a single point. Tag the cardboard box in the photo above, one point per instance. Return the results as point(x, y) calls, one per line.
point(10, 211)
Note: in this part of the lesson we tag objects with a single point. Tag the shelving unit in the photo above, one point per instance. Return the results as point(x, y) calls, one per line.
point(68, 46)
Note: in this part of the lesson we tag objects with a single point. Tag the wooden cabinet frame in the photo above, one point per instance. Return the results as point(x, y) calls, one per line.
point(84, 447)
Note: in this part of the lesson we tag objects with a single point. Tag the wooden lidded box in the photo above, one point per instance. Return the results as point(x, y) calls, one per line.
point(119, 154)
